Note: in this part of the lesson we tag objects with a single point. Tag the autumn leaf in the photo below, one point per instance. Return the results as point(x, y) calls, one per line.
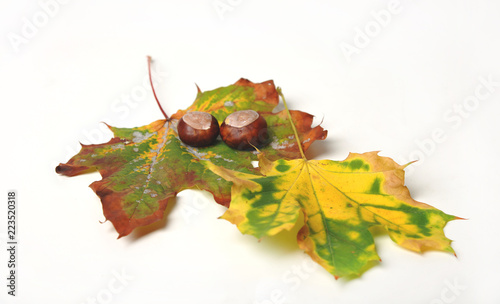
point(341, 201)
point(144, 168)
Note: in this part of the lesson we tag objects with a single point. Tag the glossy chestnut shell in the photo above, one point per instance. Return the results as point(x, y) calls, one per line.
point(242, 130)
point(198, 129)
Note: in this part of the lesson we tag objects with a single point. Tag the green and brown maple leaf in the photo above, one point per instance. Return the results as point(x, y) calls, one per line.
point(144, 168)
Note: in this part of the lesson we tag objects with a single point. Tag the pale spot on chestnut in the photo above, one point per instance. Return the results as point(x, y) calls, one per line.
point(241, 118)
point(198, 120)
point(242, 130)
point(198, 129)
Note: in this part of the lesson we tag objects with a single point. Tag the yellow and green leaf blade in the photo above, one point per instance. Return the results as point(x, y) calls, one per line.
point(340, 200)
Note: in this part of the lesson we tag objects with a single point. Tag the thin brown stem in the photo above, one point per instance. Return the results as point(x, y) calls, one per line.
point(152, 87)
point(291, 122)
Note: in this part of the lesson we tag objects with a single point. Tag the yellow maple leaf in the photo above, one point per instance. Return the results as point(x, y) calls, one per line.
point(341, 201)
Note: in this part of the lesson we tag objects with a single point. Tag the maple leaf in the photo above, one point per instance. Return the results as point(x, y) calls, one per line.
point(144, 168)
point(341, 201)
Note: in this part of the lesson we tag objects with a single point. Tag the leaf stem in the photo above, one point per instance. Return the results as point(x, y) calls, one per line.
point(291, 122)
point(152, 87)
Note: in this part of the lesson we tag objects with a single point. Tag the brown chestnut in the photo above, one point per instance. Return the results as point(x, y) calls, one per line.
point(243, 130)
point(198, 129)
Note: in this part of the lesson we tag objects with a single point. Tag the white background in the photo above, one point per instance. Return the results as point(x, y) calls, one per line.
point(79, 62)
